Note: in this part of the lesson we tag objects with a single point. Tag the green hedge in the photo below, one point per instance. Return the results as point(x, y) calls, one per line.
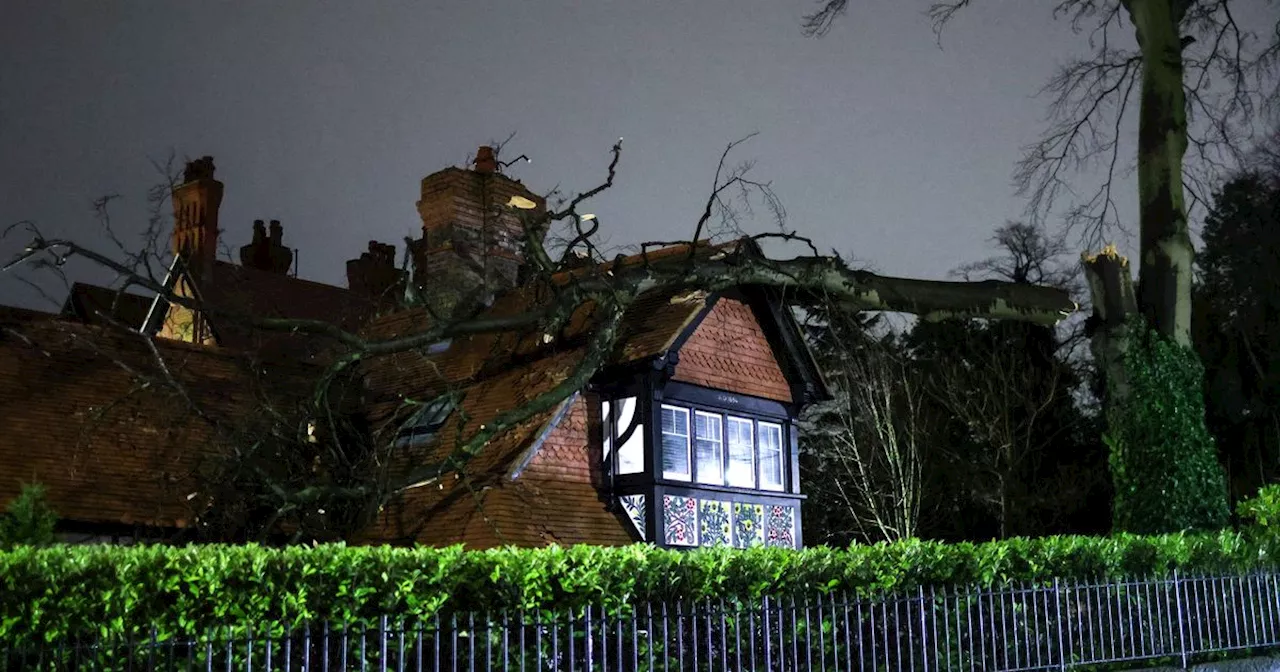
point(116, 591)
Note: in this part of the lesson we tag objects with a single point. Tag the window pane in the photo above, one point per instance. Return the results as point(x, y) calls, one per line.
point(770, 456)
point(606, 430)
point(425, 423)
point(675, 442)
point(742, 459)
point(710, 445)
point(630, 446)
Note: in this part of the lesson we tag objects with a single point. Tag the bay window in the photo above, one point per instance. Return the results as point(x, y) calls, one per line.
point(718, 471)
point(720, 449)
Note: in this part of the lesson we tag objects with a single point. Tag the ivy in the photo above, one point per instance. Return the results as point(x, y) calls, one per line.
point(1164, 462)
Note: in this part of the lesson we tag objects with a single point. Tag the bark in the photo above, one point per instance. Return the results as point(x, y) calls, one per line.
point(1111, 286)
point(1165, 252)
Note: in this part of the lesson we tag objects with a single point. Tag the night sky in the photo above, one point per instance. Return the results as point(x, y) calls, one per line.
point(325, 116)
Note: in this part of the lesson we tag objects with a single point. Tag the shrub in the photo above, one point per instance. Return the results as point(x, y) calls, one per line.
point(28, 519)
point(1262, 509)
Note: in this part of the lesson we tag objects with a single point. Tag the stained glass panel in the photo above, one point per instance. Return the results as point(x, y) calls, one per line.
point(634, 506)
point(680, 520)
point(713, 521)
point(781, 526)
point(748, 525)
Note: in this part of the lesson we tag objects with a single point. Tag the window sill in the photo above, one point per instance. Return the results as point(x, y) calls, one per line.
point(729, 490)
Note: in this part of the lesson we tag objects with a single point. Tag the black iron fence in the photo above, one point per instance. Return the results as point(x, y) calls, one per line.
point(1055, 626)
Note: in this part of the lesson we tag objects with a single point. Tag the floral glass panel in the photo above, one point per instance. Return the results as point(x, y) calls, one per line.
point(634, 506)
point(748, 525)
point(780, 526)
point(713, 521)
point(680, 520)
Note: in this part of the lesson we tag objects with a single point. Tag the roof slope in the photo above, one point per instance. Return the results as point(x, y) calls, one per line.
point(77, 414)
point(263, 294)
point(92, 304)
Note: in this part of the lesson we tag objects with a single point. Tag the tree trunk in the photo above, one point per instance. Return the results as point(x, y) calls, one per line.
point(1165, 252)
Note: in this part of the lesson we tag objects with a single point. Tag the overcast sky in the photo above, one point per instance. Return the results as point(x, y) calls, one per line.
point(326, 115)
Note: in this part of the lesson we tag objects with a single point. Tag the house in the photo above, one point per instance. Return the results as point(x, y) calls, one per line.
point(686, 436)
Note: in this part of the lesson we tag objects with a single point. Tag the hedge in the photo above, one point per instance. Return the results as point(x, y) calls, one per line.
point(115, 591)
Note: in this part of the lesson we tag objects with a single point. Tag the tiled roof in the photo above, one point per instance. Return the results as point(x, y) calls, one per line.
point(77, 416)
point(264, 294)
point(92, 304)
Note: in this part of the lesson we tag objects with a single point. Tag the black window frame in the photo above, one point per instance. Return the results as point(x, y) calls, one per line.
point(725, 405)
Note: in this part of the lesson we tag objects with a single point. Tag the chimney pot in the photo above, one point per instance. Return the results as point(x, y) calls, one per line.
point(267, 253)
point(485, 161)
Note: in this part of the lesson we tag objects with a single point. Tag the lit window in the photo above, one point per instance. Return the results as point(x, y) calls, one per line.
point(742, 453)
point(675, 442)
point(425, 423)
point(709, 441)
point(770, 437)
point(623, 426)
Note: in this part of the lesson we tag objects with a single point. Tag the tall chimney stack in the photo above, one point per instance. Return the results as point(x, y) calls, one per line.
point(195, 216)
point(472, 242)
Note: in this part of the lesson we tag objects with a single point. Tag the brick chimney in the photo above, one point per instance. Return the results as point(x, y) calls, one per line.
point(374, 273)
point(195, 216)
point(472, 244)
point(267, 254)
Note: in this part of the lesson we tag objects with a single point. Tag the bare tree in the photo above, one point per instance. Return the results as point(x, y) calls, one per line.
point(867, 447)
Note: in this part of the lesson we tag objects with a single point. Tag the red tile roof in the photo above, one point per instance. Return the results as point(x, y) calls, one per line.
point(92, 304)
point(77, 414)
point(263, 294)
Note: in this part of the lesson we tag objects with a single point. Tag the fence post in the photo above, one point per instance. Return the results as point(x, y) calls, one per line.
point(1177, 598)
point(1057, 606)
point(924, 632)
point(768, 644)
point(382, 643)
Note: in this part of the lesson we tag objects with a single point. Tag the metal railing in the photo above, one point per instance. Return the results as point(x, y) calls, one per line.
point(1043, 627)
